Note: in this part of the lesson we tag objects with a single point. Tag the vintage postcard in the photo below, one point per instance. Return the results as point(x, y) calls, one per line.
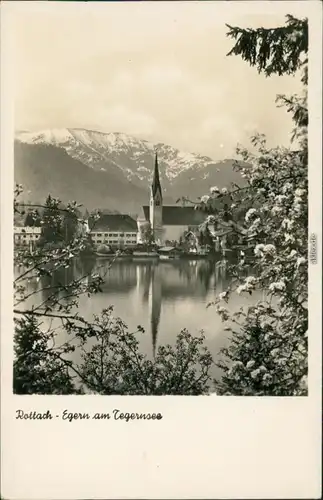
point(161, 215)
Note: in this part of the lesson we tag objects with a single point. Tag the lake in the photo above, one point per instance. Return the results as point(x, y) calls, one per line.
point(163, 297)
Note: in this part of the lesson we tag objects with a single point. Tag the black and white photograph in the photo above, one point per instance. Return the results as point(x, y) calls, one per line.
point(160, 203)
point(161, 235)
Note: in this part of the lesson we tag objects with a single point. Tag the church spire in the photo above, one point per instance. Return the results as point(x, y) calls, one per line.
point(155, 187)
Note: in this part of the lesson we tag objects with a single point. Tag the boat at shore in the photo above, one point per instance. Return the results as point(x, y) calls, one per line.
point(168, 257)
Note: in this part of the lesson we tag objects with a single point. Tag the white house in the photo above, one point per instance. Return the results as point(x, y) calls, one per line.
point(114, 230)
point(26, 235)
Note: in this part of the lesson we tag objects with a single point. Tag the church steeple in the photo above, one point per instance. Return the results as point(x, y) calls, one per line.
point(156, 205)
point(156, 187)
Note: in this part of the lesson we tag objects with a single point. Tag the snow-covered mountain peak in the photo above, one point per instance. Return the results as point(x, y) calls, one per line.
point(51, 136)
point(132, 155)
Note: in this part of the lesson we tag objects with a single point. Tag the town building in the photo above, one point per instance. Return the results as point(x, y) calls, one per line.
point(168, 222)
point(26, 235)
point(113, 230)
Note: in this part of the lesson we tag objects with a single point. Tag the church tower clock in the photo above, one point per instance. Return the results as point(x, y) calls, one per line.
point(156, 205)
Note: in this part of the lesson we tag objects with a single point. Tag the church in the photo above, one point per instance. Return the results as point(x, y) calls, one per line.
point(167, 222)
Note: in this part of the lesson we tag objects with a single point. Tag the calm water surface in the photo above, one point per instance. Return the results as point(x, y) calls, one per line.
point(163, 297)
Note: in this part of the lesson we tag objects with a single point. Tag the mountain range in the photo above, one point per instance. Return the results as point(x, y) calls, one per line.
point(111, 170)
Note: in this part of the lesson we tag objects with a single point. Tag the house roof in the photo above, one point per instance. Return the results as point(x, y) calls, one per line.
point(179, 216)
point(167, 249)
point(113, 222)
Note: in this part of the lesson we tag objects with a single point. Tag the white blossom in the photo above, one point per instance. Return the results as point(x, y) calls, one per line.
point(270, 249)
point(258, 251)
point(223, 312)
point(250, 213)
point(224, 190)
point(281, 198)
point(299, 192)
point(300, 261)
point(289, 237)
point(276, 210)
point(254, 226)
point(205, 198)
point(223, 295)
point(264, 323)
point(250, 364)
point(297, 206)
point(255, 373)
point(277, 286)
point(214, 190)
point(248, 286)
point(210, 219)
point(237, 364)
point(287, 187)
point(287, 223)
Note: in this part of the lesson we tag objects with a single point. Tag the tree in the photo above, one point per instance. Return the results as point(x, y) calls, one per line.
point(147, 234)
point(36, 370)
point(32, 219)
point(52, 221)
point(268, 350)
point(70, 225)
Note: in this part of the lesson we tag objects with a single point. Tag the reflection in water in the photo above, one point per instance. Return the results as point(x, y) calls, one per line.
point(163, 297)
point(159, 283)
point(156, 300)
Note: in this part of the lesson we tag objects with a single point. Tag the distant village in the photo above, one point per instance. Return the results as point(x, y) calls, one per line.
point(166, 231)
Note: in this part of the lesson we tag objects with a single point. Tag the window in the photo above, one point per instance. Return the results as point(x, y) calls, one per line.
point(99, 241)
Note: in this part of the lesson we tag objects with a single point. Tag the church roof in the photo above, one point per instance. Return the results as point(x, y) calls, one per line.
point(113, 222)
point(179, 216)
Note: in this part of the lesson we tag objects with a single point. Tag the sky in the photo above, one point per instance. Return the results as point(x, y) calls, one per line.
point(159, 72)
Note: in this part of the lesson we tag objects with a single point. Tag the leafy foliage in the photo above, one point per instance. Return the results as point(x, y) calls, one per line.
point(278, 51)
point(115, 364)
point(37, 370)
point(268, 350)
